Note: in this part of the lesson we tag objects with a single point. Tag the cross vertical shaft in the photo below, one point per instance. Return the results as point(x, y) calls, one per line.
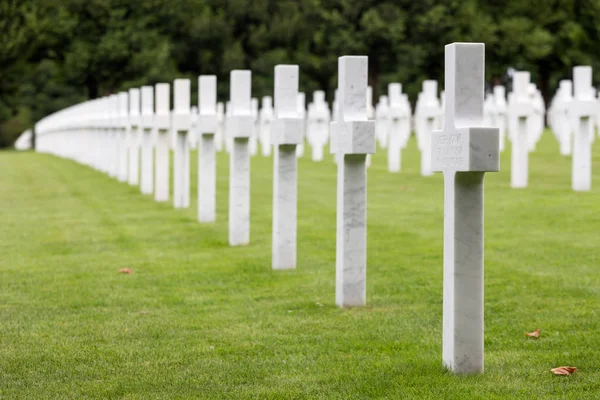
point(353, 137)
point(464, 151)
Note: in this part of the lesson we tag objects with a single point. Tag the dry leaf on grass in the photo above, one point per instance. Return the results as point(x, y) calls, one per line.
point(535, 334)
point(125, 271)
point(563, 370)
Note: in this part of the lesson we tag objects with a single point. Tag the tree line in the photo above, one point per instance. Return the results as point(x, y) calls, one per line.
point(56, 53)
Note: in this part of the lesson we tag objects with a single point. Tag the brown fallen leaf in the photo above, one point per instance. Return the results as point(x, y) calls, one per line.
point(534, 334)
point(125, 271)
point(563, 370)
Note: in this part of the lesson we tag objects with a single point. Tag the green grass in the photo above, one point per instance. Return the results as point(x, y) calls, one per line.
point(199, 319)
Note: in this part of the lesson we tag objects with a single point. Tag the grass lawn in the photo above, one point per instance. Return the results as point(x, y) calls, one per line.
point(199, 319)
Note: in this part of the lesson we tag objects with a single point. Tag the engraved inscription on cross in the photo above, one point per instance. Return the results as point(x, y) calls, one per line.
point(464, 151)
point(352, 133)
point(464, 145)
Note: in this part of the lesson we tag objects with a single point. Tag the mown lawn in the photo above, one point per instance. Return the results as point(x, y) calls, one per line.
point(198, 319)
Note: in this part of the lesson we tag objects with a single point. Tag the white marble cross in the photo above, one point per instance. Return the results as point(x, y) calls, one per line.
point(181, 159)
point(428, 115)
point(464, 151)
point(134, 137)
point(352, 138)
point(123, 146)
point(147, 126)
point(239, 129)
point(520, 111)
point(162, 124)
point(500, 117)
point(193, 137)
point(264, 123)
point(253, 141)
point(536, 123)
point(220, 134)
point(113, 132)
point(287, 134)
point(489, 110)
point(301, 107)
point(382, 121)
point(398, 125)
point(582, 110)
point(564, 134)
point(318, 124)
point(207, 164)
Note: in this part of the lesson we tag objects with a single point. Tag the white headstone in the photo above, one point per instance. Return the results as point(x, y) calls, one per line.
point(134, 137)
point(520, 110)
point(253, 141)
point(23, 142)
point(536, 122)
point(398, 127)
point(464, 151)
point(147, 126)
point(352, 138)
point(193, 136)
point(382, 121)
point(582, 110)
point(207, 165)
point(181, 159)
point(565, 133)
point(500, 117)
point(301, 107)
point(318, 124)
point(287, 134)
point(123, 145)
point(162, 124)
point(429, 113)
point(220, 135)
point(113, 134)
point(239, 129)
point(265, 120)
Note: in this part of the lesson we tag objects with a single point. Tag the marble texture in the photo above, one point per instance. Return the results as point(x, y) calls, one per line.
point(147, 126)
point(285, 208)
point(207, 165)
point(181, 157)
point(239, 193)
point(134, 137)
point(239, 129)
point(520, 110)
point(287, 135)
point(352, 138)
point(464, 151)
point(162, 124)
point(582, 110)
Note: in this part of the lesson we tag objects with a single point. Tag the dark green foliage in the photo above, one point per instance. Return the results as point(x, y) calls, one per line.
point(55, 53)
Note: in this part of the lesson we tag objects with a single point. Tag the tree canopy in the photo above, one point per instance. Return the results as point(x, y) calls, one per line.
point(53, 54)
